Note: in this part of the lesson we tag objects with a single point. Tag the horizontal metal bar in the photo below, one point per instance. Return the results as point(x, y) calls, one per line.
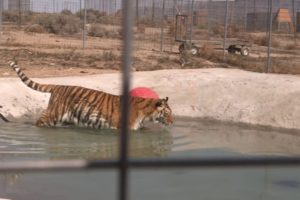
point(61, 165)
point(216, 162)
point(66, 165)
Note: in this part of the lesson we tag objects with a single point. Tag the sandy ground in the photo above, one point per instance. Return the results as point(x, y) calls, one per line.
point(222, 94)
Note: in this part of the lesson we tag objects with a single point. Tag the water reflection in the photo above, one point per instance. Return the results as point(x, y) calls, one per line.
point(92, 144)
point(228, 137)
point(21, 141)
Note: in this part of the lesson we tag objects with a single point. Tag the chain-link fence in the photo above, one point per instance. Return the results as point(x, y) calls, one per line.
point(214, 30)
point(263, 33)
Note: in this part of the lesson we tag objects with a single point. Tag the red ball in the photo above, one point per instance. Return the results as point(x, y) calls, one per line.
point(143, 92)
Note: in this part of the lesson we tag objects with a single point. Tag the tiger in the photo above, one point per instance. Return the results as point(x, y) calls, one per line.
point(84, 107)
point(2, 117)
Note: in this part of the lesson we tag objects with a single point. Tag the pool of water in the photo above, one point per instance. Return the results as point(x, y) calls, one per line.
point(186, 138)
point(195, 137)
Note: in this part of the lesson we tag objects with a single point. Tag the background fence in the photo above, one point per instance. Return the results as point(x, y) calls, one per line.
point(71, 29)
point(268, 28)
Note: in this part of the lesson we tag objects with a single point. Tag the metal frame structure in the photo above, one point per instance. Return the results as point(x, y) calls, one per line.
point(123, 164)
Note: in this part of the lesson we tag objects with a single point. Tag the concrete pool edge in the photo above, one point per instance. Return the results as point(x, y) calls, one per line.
point(221, 94)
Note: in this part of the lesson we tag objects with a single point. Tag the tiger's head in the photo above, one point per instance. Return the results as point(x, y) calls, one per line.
point(162, 113)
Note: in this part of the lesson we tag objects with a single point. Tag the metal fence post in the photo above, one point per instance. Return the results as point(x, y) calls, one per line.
point(209, 17)
point(270, 2)
point(192, 19)
point(1, 10)
point(153, 7)
point(84, 26)
point(254, 16)
point(162, 27)
point(225, 28)
point(137, 12)
point(294, 20)
point(20, 14)
point(80, 9)
point(174, 7)
point(245, 15)
point(127, 21)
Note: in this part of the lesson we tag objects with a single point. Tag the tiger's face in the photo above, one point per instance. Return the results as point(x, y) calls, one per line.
point(162, 113)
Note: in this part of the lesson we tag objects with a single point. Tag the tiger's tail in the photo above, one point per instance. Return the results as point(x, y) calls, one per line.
point(27, 81)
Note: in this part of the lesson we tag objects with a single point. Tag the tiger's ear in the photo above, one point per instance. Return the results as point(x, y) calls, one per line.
point(161, 102)
point(158, 103)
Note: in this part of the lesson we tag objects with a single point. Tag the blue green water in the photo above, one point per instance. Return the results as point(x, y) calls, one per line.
point(187, 138)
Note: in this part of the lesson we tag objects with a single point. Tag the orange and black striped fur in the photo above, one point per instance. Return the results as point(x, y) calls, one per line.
point(91, 108)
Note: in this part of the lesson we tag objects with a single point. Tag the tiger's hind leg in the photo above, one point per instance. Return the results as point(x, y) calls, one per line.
point(45, 120)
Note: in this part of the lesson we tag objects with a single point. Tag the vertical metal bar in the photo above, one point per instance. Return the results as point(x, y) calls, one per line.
point(174, 7)
point(84, 25)
point(153, 7)
point(254, 16)
point(245, 15)
point(80, 9)
point(127, 21)
point(192, 20)
point(208, 17)
point(225, 28)
point(294, 20)
point(1, 11)
point(137, 12)
point(270, 2)
point(20, 20)
point(114, 11)
point(162, 27)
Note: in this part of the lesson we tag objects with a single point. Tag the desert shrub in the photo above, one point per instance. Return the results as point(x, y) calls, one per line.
point(292, 46)
point(109, 56)
point(34, 28)
point(149, 22)
point(66, 12)
point(207, 51)
point(14, 16)
point(263, 41)
point(92, 16)
point(164, 58)
point(10, 16)
point(247, 63)
point(141, 28)
point(108, 20)
point(218, 30)
point(97, 30)
point(171, 29)
point(232, 30)
point(285, 65)
point(59, 23)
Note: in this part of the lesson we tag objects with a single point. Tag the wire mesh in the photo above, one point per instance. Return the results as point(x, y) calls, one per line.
point(211, 25)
